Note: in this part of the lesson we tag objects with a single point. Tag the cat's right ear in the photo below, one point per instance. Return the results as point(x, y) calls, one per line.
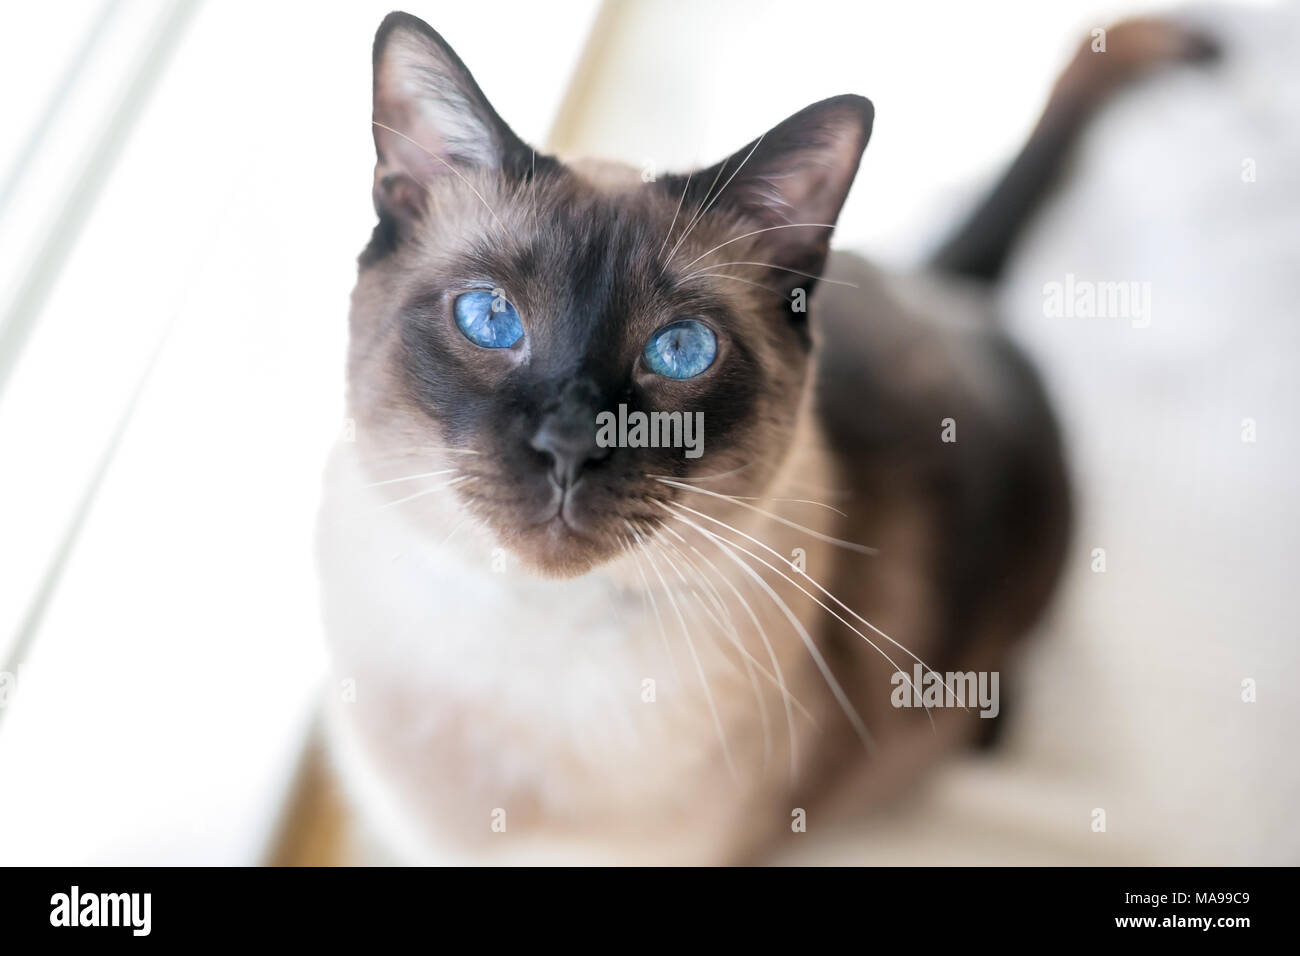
point(431, 120)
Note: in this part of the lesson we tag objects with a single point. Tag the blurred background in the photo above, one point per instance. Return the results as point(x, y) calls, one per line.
point(184, 187)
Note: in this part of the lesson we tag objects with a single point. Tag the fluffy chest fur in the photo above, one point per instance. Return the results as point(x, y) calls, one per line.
point(587, 711)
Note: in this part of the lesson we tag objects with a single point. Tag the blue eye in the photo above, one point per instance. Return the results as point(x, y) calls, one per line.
point(488, 319)
point(683, 349)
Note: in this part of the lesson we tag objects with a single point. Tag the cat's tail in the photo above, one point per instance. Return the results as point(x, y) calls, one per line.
point(1105, 63)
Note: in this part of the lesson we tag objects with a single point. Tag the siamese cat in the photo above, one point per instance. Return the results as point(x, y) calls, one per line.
point(554, 641)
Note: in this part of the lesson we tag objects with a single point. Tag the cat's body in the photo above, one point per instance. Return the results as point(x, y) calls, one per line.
point(482, 688)
point(674, 664)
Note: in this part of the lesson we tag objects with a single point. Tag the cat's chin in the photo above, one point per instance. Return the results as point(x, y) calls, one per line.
point(556, 550)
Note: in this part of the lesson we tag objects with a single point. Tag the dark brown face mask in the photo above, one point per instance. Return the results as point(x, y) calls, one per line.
point(507, 300)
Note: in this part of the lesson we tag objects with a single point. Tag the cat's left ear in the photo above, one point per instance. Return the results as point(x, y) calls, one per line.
point(430, 118)
point(798, 172)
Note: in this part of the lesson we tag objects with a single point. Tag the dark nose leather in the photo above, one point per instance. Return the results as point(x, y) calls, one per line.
point(567, 433)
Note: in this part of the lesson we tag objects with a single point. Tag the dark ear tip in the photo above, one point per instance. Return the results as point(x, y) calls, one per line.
point(398, 21)
point(859, 106)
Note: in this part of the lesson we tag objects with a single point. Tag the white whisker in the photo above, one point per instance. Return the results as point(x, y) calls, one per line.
point(855, 720)
point(838, 542)
point(797, 501)
point(788, 225)
point(654, 605)
point(733, 635)
point(699, 667)
point(757, 285)
point(717, 477)
point(427, 491)
point(694, 219)
point(823, 590)
point(453, 169)
point(673, 224)
point(779, 679)
point(425, 474)
point(709, 202)
point(773, 265)
point(705, 610)
point(876, 647)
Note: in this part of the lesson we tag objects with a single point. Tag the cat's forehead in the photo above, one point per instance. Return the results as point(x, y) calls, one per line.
point(594, 229)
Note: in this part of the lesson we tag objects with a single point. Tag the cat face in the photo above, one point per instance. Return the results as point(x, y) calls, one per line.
point(507, 300)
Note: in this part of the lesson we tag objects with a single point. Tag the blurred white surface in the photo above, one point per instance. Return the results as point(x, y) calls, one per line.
point(1131, 700)
point(159, 713)
point(1137, 694)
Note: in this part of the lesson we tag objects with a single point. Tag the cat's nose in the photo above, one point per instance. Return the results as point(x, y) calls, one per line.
point(569, 440)
point(567, 432)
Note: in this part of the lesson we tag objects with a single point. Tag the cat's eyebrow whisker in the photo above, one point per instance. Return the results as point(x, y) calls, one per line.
point(427, 491)
point(828, 594)
point(855, 719)
point(716, 176)
point(838, 542)
point(453, 169)
point(532, 183)
point(672, 225)
point(757, 285)
point(756, 232)
point(708, 203)
point(773, 265)
point(699, 668)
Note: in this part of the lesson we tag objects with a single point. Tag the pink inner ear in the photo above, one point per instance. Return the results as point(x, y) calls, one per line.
point(408, 147)
point(809, 184)
point(407, 142)
point(817, 187)
point(428, 112)
point(799, 171)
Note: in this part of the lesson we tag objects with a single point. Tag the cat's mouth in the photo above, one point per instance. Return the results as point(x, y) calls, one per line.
point(569, 537)
point(564, 517)
point(560, 521)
